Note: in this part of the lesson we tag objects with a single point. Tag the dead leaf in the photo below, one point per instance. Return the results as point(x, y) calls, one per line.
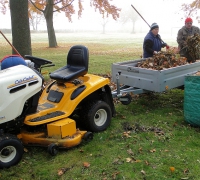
point(62, 171)
point(123, 117)
point(140, 150)
point(186, 171)
point(25, 150)
point(86, 164)
point(147, 163)
point(172, 169)
point(143, 172)
point(153, 150)
point(130, 152)
point(127, 134)
point(128, 159)
point(115, 174)
point(118, 161)
point(81, 150)
point(137, 161)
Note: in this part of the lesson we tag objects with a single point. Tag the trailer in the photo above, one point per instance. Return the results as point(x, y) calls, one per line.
point(132, 79)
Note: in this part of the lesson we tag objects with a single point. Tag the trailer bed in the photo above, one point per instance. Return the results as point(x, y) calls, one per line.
point(149, 79)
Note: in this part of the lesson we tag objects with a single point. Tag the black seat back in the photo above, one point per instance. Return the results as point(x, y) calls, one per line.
point(78, 57)
point(77, 65)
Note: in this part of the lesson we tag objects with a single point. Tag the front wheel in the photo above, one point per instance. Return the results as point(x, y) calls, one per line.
point(11, 151)
point(96, 116)
point(88, 136)
point(53, 149)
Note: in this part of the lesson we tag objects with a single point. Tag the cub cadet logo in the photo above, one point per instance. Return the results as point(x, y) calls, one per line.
point(22, 81)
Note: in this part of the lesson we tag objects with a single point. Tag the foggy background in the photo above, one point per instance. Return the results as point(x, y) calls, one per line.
point(167, 13)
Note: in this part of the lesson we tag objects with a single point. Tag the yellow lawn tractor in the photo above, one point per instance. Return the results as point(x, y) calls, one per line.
point(33, 115)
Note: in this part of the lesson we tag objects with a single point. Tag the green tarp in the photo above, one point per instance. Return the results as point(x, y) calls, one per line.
point(192, 100)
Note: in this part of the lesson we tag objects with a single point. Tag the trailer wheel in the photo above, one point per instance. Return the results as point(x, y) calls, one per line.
point(53, 149)
point(96, 116)
point(126, 99)
point(11, 151)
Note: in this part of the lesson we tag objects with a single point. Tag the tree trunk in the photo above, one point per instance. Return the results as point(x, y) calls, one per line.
point(48, 14)
point(21, 38)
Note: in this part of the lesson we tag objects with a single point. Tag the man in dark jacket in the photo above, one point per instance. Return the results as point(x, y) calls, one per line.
point(183, 33)
point(152, 42)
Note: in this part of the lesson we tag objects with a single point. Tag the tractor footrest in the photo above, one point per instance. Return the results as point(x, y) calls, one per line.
point(47, 116)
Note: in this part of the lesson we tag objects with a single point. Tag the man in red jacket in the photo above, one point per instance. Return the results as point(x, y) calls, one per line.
point(183, 33)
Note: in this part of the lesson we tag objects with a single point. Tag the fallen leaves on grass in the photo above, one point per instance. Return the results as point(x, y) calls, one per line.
point(86, 164)
point(126, 134)
point(25, 150)
point(172, 169)
point(147, 163)
point(153, 150)
point(186, 171)
point(143, 172)
point(132, 160)
point(114, 175)
point(139, 128)
point(61, 171)
point(140, 150)
point(129, 159)
point(118, 161)
point(130, 152)
point(81, 150)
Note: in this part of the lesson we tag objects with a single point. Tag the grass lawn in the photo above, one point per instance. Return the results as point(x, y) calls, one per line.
point(147, 140)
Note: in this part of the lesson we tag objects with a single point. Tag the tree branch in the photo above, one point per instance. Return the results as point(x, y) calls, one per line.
point(57, 2)
point(64, 6)
point(35, 6)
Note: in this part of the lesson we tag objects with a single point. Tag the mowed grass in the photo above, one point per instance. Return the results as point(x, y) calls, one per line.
point(145, 140)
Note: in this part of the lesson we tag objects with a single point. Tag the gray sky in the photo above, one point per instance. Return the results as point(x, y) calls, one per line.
point(167, 13)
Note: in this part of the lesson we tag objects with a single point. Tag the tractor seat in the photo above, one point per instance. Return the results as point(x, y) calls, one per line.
point(77, 65)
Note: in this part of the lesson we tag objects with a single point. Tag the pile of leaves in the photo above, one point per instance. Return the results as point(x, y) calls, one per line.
point(162, 60)
point(193, 46)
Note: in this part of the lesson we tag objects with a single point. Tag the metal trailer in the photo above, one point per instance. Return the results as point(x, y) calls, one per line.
point(136, 80)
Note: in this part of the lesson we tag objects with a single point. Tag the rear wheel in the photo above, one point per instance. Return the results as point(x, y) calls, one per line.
point(96, 116)
point(11, 151)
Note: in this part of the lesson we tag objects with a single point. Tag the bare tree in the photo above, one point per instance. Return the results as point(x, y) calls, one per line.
point(129, 15)
point(104, 22)
point(35, 17)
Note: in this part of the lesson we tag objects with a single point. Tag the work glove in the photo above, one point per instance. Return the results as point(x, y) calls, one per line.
point(155, 52)
point(167, 47)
